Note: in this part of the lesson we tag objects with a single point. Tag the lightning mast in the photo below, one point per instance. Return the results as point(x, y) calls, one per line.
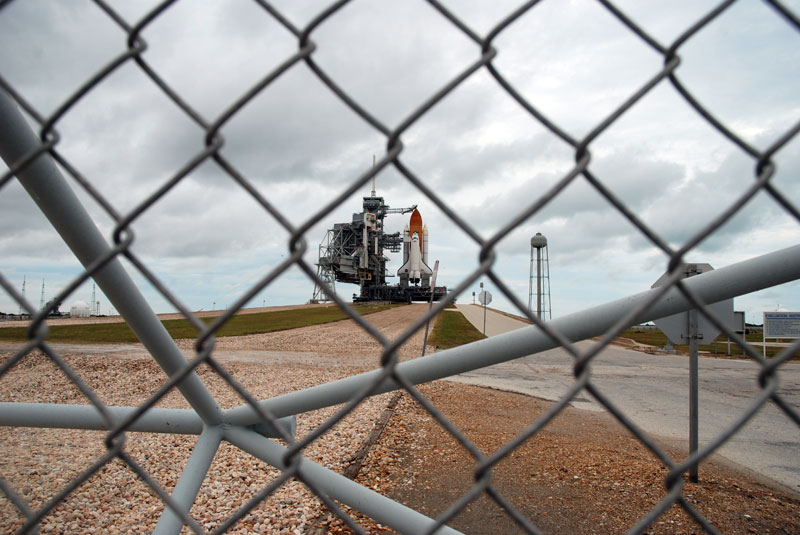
point(373, 176)
point(23, 294)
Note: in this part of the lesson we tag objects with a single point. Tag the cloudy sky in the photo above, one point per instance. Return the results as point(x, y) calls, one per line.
point(477, 150)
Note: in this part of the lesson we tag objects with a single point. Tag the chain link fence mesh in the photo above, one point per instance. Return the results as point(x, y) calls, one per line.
point(288, 461)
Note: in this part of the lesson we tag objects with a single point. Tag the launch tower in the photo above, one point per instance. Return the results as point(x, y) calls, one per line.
point(354, 253)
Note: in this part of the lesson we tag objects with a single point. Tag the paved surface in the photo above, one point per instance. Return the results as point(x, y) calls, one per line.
point(653, 391)
point(496, 323)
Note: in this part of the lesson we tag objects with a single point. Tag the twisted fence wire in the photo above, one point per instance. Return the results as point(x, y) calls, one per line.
point(123, 237)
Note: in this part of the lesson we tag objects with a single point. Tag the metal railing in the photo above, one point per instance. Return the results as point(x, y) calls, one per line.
point(254, 425)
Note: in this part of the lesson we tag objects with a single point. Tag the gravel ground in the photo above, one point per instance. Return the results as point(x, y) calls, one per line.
point(40, 462)
point(341, 338)
point(582, 474)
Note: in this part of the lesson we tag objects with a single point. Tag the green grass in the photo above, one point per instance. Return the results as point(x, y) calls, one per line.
point(453, 329)
point(264, 322)
point(655, 337)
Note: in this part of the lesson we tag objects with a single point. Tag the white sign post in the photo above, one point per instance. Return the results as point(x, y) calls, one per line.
point(484, 298)
point(780, 325)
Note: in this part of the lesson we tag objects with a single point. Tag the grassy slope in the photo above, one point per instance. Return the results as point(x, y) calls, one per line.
point(655, 337)
point(110, 333)
point(453, 329)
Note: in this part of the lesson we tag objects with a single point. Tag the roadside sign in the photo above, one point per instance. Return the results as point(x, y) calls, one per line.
point(485, 297)
point(689, 328)
point(781, 324)
point(676, 327)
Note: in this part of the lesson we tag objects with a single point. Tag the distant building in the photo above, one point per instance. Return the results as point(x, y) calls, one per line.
point(79, 309)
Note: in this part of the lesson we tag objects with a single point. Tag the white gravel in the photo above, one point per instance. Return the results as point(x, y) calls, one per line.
point(41, 462)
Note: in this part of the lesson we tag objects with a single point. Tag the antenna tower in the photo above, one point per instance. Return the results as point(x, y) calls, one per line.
point(41, 301)
point(93, 299)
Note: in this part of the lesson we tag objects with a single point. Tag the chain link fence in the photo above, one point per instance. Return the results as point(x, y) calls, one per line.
point(252, 427)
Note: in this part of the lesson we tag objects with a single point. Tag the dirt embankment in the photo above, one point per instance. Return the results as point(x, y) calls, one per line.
point(583, 473)
point(338, 338)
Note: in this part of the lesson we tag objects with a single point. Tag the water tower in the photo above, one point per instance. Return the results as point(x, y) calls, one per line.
point(539, 281)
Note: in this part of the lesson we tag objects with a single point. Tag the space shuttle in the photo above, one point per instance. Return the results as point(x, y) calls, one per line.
point(415, 268)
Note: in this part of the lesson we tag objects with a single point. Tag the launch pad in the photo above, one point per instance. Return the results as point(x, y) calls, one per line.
point(354, 253)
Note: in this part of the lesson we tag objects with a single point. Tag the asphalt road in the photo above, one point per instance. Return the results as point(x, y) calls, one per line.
point(653, 391)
